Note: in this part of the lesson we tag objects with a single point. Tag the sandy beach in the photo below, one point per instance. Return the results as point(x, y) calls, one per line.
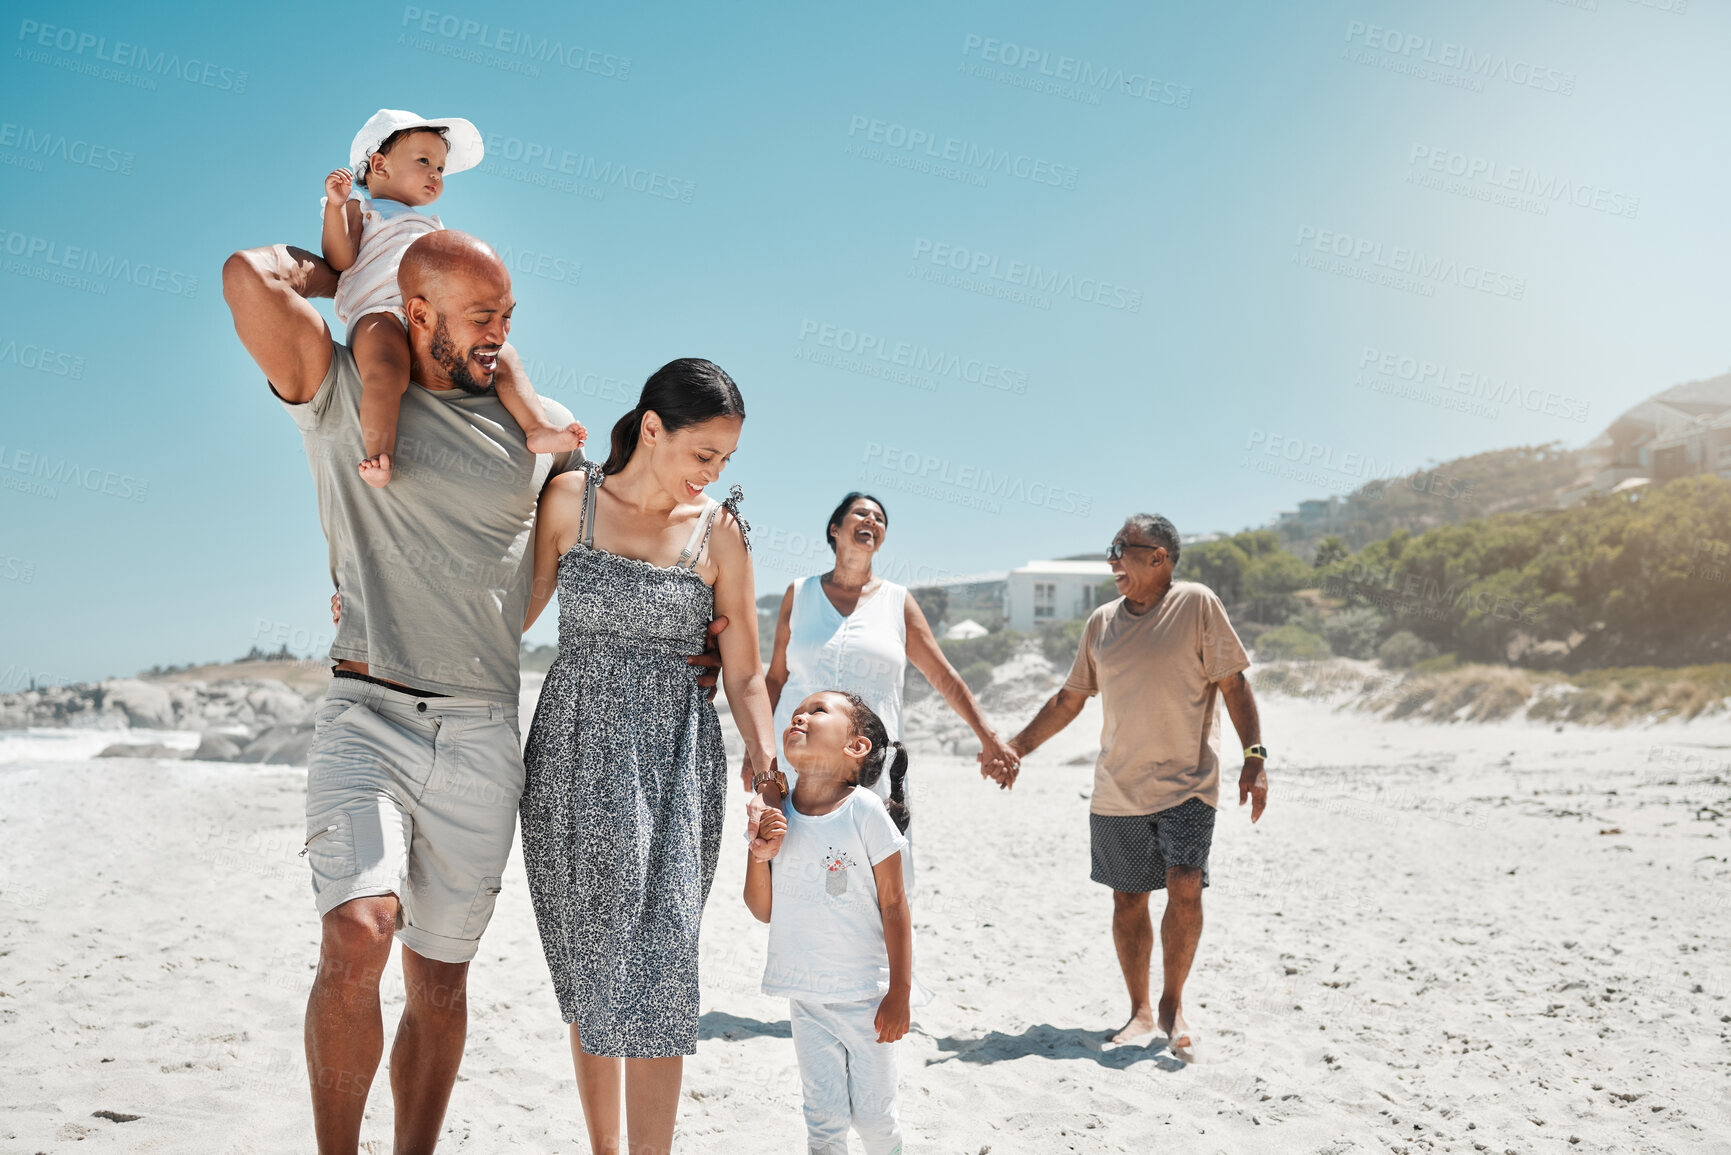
point(1499, 937)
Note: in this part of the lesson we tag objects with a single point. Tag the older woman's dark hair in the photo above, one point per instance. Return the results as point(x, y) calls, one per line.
point(682, 393)
point(841, 512)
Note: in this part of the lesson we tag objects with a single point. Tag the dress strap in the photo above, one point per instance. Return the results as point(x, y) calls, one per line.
point(699, 537)
point(689, 557)
point(586, 527)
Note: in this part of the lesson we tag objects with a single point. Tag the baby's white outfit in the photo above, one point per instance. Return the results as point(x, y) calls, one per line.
point(827, 955)
point(369, 285)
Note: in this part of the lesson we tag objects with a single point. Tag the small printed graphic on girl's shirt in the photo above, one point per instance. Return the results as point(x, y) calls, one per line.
point(836, 864)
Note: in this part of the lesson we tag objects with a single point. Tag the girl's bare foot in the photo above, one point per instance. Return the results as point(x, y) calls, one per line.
point(552, 439)
point(376, 471)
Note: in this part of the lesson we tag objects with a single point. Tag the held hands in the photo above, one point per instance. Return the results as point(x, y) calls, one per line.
point(338, 185)
point(766, 827)
point(892, 1017)
point(764, 824)
point(1000, 762)
point(1253, 786)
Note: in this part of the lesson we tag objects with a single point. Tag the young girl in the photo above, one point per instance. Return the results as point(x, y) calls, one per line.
point(841, 944)
point(401, 160)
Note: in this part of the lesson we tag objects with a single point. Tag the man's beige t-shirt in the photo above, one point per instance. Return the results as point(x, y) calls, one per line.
point(434, 568)
point(1155, 673)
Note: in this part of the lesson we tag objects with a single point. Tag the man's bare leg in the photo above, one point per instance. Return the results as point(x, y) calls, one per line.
point(1133, 935)
point(1180, 931)
point(428, 1049)
point(345, 1035)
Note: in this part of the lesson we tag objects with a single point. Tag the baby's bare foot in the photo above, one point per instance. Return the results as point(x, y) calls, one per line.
point(551, 439)
point(376, 471)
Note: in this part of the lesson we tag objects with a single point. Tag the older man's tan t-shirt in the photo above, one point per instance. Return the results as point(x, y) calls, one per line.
point(1155, 673)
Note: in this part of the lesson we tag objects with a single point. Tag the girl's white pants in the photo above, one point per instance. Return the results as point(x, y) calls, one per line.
point(848, 1076)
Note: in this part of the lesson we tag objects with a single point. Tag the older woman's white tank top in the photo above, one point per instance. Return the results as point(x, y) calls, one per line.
point(865, 652)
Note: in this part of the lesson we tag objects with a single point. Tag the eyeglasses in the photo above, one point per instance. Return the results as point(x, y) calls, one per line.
point(1117, 548)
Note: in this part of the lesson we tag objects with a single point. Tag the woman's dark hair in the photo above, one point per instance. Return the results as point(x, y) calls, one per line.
point(868, 725)
point(390, 142)
point(841, 512)
point(685, 392)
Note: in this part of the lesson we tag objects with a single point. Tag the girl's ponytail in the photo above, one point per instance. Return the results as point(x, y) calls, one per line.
point(869, 726)
point(898, 802)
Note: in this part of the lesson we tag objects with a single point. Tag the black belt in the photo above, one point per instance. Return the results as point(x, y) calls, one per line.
point(360, 677)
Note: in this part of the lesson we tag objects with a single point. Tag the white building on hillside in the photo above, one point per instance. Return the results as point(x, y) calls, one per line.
point(1052, 591)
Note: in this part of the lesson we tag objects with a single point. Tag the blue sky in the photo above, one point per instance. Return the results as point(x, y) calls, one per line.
point(1021, 268)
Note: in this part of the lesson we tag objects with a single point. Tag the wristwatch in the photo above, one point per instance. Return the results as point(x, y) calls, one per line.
point(1256, 751)
point(773, 776)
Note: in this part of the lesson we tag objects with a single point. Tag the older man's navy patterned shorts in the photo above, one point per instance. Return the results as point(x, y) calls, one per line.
point(1132, 852)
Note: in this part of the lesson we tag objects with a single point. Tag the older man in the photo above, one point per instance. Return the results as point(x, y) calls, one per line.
point(1159, 657)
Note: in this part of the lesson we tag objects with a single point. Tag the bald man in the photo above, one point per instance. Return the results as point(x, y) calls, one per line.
point(416, 767)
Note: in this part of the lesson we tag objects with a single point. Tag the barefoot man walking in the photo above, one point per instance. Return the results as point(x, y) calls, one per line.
point(1156, 657)
point(415, 767)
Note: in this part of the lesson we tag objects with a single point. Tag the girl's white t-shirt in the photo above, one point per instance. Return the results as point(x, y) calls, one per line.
point(826, 933)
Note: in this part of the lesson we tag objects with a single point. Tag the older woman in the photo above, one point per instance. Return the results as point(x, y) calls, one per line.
point(851, 630)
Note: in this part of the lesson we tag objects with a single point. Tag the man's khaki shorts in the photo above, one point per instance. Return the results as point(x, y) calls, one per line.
point(415, 797)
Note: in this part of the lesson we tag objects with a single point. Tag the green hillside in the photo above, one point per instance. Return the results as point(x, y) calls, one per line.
point(1528, 477)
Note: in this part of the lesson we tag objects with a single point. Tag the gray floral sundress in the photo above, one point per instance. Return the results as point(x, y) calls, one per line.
point(625, 793)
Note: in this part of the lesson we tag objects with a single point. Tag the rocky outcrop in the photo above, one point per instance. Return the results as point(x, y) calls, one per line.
point(243, 720)
point(279, 745)
point(147, 750)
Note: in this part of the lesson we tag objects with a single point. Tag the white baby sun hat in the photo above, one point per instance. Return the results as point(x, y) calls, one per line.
point(462, 137)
